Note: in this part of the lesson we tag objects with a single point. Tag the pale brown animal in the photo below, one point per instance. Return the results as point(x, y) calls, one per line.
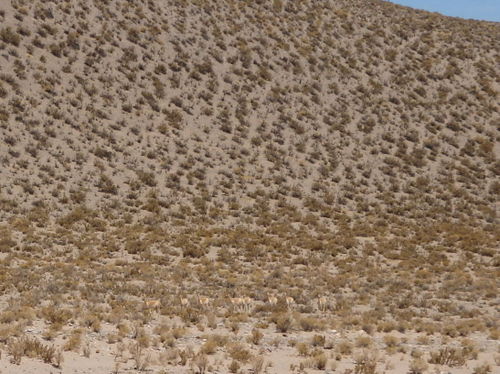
point(152, 304)
point(322, 303)
point(237, 302)
point(184, 302)
point(203, 301)
point(247, 303)
point(271, 299)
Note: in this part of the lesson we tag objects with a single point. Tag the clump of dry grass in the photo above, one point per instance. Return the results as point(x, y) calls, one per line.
point(448, 356)
point(31, 347)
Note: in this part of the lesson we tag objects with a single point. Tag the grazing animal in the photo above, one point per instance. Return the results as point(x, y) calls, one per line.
point(152, 304)
point(238, 303)
point(271, 299)
point(184, 302)
point(241, 303)
point(289, 301)
point(322, 303)
point(247, 303)
point(203, 301)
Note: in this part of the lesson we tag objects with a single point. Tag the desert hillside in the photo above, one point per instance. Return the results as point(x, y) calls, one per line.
point(178, 149)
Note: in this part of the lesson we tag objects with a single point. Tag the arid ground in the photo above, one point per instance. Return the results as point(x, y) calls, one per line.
point(247, 186)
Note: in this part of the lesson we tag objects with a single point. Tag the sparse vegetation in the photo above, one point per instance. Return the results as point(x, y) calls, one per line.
point(182, 182)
